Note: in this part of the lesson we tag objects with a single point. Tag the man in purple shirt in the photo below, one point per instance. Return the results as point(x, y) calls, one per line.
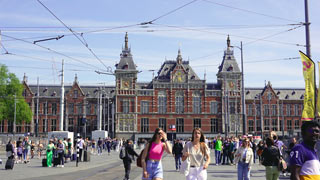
point(304, 161)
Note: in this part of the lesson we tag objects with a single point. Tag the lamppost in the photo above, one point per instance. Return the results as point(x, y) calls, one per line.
point(242, 91)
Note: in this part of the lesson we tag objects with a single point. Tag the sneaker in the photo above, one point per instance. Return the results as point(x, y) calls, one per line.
point(62, 166)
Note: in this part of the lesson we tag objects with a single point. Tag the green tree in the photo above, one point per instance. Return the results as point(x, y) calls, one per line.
point(10, 86)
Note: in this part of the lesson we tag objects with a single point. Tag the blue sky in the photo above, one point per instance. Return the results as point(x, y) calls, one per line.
point(268, 29)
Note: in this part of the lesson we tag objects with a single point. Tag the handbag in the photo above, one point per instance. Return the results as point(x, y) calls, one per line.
point(282, 166)
point(185, 165)
point(139, 162)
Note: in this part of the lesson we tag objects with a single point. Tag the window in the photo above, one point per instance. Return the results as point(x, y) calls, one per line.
point(288, 110)
point(296, 109)
point(53, 124)
point(258, 125)
point(125, 106)
point(44, 125)
point(274, 124)
point(70, 108)
point(251, 125)
point(214, 125)
point(27, 127)
point(258, 110)
point(10, 126)
point(214, 107)
point(274, 110)
point(289, 124)
point(70, 124)
point(75, 93)
point(296, 124)
point(54, 108)
point(197, 123)
point(232, 107)
point(196, 100)
point(266, 110)
point(88, 109)
point(266, 124)
point(144, 107)
point(79, 108)
point(144, 125)
point(281, 124)
point(163, 124)
point(179, 125)
point(281, 109)
point(95, 109)
point(250, 110)
point(18, 128)
point(179, 102)
point(162, 100)
point(45, 108)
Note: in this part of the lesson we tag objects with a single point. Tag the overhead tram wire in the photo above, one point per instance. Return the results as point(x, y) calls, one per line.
point(84, 43)
point(32, 67)
point(54, 51)
point(41, 59)
point(249, 11)
point(239, 36)
point(259, 61)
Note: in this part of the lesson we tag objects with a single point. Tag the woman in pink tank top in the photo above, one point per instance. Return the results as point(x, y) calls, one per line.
point(152, 154)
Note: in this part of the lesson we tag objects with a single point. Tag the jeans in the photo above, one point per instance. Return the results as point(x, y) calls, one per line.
point(218, 156)
point(127, 168)
point(177, 158)
point(61, 160)
point(272, 173)
point(243, 171)
point(254, 156)
point(25, 154)
point(99, 150)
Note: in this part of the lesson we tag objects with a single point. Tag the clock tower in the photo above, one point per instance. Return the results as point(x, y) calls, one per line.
point(126, 94)
point(229, 78)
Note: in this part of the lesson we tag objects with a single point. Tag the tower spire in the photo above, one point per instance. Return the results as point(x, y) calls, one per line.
point(228, 41)
point(126, 42)
point(179, 58)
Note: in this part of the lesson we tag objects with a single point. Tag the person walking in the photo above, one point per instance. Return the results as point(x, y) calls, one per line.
point(10, 150)
point(244, 159)
point(260, 150)
point(50, 148)
point(304, 161)
point(218, 149)
point(129, 157)
point(81, 147)
point(60, 151)
point(199, 155)
point(99, 146)
point(271, 156)
point(152, 168)
point(177, 153)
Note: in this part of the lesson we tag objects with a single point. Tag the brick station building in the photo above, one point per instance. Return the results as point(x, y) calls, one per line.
point(175, 97)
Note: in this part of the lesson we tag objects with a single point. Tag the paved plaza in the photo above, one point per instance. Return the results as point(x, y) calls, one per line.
point(109, 167)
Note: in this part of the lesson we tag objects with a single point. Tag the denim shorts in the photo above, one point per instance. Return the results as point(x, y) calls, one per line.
point(154, 169)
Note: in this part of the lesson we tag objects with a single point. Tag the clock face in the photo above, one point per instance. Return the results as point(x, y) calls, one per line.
point(231, 85)
point(179, 77)
point(125, 84)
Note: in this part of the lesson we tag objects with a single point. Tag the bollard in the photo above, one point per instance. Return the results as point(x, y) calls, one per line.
point(78, 140)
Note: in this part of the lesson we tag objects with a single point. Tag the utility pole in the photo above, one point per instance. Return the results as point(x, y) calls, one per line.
point(14, 116)
point(244, 120)
point(307, 24)
point(37, 121)
point(62, 99)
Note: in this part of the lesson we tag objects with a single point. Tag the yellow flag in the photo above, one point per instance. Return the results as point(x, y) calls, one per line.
point(318, 95)
point(309, 95)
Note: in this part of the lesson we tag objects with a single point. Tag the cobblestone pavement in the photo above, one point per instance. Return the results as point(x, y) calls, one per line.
point(110, 167)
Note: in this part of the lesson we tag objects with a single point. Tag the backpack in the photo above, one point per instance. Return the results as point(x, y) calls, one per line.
point(9, 147)
point(123, 153)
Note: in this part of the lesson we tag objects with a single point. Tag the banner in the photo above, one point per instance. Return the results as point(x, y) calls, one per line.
point(309, 95)
point(318, 94)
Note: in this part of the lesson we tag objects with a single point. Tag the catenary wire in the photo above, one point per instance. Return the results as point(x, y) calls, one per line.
point(84, 43)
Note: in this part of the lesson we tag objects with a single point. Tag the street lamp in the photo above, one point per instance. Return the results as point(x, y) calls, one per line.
point(242, 91)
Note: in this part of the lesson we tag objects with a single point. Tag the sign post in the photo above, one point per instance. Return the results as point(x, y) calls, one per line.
point(172, 128)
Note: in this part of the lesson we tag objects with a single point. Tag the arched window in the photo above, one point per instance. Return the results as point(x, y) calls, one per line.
point(179, 102)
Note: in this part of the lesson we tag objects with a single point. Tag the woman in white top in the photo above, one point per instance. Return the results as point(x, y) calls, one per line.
point(244, 159)
point(199, 155)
